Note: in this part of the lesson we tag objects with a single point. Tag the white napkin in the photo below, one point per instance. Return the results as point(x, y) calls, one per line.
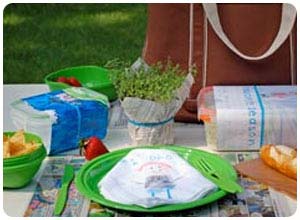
point(152, 177)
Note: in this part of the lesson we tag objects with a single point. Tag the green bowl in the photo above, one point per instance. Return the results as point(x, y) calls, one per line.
point(92, 172)
point(17, 160)
point(18, 176)
point(91, 77)
point(19, 171)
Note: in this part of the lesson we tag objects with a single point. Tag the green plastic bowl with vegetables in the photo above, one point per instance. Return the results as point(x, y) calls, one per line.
point(91, 77)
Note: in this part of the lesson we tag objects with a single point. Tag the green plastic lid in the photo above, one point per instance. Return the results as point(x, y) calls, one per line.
point(86, 94)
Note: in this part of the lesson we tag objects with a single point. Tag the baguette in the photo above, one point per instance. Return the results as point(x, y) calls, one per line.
point(280, 158)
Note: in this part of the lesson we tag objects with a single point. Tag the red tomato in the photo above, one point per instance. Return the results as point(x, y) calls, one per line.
point(63, 79)
point(74, 82)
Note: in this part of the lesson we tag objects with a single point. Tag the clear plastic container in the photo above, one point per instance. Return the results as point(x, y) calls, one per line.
point(62, 118)
point(37, 122)
point(246, 117)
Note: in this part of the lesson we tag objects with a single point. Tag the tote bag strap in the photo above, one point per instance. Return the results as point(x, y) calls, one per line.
point(287, 21)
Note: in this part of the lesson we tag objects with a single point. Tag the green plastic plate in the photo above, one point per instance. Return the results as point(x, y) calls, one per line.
point(92, 172)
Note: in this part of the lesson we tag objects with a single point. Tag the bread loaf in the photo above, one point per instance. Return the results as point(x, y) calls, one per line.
point(280, 158)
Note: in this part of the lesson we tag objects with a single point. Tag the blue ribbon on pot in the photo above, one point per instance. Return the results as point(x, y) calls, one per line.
point(150, 124)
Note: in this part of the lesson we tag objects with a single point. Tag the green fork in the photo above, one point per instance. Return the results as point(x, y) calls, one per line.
point(217, 177)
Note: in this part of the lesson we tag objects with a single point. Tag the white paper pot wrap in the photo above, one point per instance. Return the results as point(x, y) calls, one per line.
point(161, 134)
point(151, 122)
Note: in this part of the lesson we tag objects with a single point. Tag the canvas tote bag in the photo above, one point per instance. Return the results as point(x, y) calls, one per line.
point(230, 44)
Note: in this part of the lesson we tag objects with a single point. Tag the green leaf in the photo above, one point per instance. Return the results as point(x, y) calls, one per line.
point(157, 84)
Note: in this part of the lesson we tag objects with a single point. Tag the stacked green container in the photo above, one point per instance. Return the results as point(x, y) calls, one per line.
point(18, 171)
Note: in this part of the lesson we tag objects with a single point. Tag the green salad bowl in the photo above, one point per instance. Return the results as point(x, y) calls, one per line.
point(91, 77)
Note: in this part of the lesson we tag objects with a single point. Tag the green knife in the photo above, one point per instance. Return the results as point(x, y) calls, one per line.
point(63, 191)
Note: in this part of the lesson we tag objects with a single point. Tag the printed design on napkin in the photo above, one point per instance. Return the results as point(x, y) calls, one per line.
point(158, 180)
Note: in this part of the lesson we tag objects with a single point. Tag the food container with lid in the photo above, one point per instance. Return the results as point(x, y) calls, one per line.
point(18, 171)
point(63, 118)
point(246, 117)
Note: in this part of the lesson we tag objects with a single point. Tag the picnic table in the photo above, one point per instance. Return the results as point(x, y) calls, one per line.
point(257, 200)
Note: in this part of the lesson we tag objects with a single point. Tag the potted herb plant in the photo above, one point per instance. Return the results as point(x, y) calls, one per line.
point(150, 97)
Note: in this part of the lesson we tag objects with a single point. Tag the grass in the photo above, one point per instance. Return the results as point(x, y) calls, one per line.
point(42, 38)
